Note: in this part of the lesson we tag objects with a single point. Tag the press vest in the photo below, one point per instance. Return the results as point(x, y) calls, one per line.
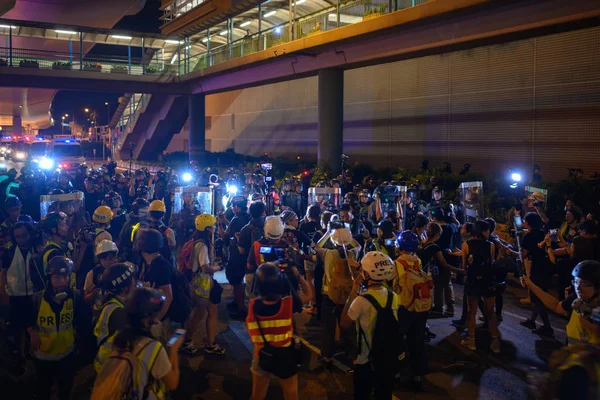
point(101, 331)
point(143, 378)
point(577, 332)
point(278, 328)
point(57, 338)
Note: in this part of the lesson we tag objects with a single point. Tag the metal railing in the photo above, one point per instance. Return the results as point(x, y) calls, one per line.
point(347, 13)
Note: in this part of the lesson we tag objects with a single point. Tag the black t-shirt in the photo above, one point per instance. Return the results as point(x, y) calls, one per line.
point(309, 228)
point(246, 233)
point(158, 273)
point(537, 256)
point(567, 304)
point(427, 253)
point(238, 222)
point(445, 240)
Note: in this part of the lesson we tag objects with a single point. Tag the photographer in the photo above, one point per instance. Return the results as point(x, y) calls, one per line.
point(385, 241)
point(337, 283)
point(536, 204)
point(586, 283)
point(270, 320)
point(273, 231)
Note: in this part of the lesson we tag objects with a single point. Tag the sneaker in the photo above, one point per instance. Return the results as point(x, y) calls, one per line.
point(449, 313)
point(528, 324)
point(459, 323)
point(544, 331)
point(214, 350)
point(469, 343)
point(189, 348)
point(495, 345)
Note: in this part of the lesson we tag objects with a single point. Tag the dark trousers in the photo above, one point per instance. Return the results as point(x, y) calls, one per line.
point(365, 381)
point(443, 291)
point(48, 372)
point(331, 315)
point(413, 326)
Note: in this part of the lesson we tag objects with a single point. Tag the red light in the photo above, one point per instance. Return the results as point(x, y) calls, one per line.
point(305, 173)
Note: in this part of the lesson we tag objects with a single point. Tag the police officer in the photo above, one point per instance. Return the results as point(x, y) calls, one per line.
point(114, 201)
point(52, 335)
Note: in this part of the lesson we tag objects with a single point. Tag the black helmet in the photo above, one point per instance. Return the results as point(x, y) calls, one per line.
point(51, 220)
point(269, 281)
point(588, 271)
point(138, 204)
point(239, 201)
point(59, 265)
point(142, 190)
point(111, 197)
point(26, 218)
point(144, 302)
point(56, 191)
point(11, 202)
point(117, 277)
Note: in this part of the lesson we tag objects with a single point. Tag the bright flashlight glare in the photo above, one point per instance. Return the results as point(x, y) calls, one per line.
point(187, 177)
point(516, 177)
point(20, 155)
point(46, 163)
point(2, 166)
point(232, 190)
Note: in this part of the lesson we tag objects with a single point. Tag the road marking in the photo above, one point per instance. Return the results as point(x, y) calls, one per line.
point(525, 319)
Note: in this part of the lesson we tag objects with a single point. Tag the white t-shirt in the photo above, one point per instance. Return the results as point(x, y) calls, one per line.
point(362, 310)
point(202, 258)
point(162, 365)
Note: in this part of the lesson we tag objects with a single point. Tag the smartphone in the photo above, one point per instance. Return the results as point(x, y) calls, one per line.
point(389, 242)
point(518, 222)
point(178, 333)
point(554, 235)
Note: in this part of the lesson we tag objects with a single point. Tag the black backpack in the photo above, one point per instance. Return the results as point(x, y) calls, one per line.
point(181, 306)
point(479, 261)
point(387, 349)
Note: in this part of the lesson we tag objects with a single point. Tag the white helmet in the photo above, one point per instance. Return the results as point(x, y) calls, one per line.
point(106, 246)
point(273, 227)
point(378, 266)
point(341, 237)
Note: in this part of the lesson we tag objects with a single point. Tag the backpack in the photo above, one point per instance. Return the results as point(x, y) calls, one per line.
point(427, 264)
point(116, 379)
point(415, 289)
point(257, 234)
point(340, 285)
point(479, 261)
point(181, 306)
point(185, 261)
point(387, 349)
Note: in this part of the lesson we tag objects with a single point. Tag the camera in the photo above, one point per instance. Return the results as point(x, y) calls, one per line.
point(86, 234)
point(266, 166)
point(538, 203)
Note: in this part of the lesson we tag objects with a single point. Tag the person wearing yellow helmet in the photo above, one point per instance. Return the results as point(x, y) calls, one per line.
point(206, 292)
point(156, 213)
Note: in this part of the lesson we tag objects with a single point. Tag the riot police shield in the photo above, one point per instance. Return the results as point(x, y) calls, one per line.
point(201, 196)
point(471, 201)
point(388, 196)
point(333, 195)
point(404, 201)
point(61, 202)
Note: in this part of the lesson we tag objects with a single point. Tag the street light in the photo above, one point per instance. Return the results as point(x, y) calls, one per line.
point(87, 110)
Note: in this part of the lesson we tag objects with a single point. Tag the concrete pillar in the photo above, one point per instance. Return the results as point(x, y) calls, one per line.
point(196, 126)
point(331, 118)
point(17, 128)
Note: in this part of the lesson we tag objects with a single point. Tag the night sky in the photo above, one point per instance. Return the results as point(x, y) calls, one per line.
point(74, 102)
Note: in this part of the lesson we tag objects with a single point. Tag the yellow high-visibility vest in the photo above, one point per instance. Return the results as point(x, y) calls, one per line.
point(101, 331)
point(57, 338)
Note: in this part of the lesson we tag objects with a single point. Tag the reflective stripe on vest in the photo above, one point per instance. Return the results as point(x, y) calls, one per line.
point(57, 339)
point(134, 229)
point(278, 328)
point(147, 357)
point(101, 332)
point(577, 332)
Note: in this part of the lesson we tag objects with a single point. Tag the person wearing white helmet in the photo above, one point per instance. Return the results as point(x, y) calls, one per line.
point(337, 283)
point(376, 269)
point(273, 231)
point(106, 254)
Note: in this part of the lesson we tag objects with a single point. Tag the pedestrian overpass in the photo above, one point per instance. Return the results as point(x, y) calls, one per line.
point(167, 82)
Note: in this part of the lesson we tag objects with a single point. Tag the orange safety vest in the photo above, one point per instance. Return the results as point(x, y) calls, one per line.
point(278, 329)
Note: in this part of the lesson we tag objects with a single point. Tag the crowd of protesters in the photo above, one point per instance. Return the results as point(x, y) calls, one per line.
point(107, 279)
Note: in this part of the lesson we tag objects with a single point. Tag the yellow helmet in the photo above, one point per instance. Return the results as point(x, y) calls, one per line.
point(157, 205)
point(203, 221)
point(102, 215)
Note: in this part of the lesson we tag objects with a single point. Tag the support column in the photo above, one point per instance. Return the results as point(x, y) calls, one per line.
point(196, 126)
point(17, 128)
point(331, 117)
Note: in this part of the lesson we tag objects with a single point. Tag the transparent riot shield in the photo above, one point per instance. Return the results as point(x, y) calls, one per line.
point(202, 196)
point(404, 201)
point(537, 194)
point(389, 196)
point(471, 201)
point(59, 202)
point(317, 195)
